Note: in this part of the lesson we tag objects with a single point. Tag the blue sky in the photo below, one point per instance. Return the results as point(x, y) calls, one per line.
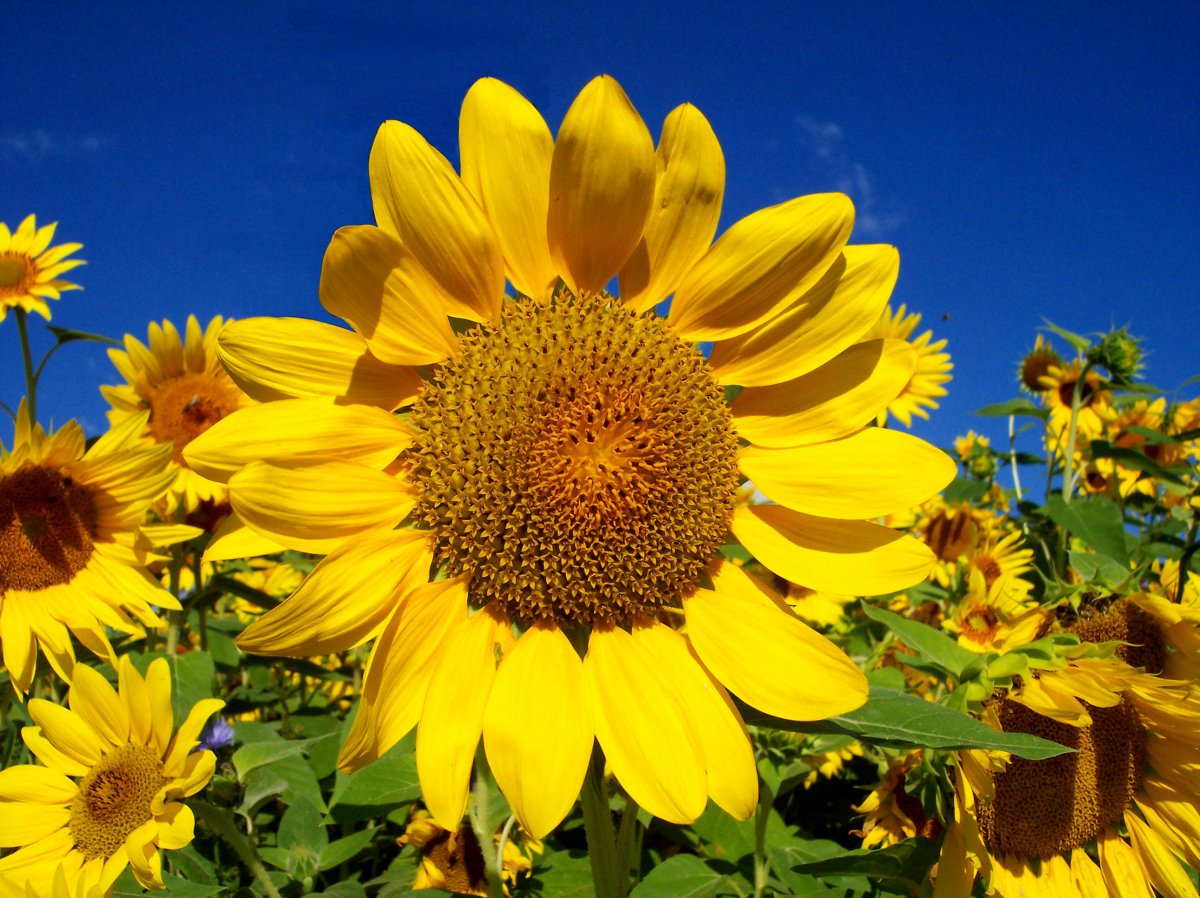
point(1028, 160)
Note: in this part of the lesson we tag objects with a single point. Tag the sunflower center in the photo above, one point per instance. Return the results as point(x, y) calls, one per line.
point(16, 274)
point(950, 535)
point(183, 407)
point(114, 799)
point(47, 524)
point(1049, 807)
point(1124, 622)
point(980, 624)
point(577, 460)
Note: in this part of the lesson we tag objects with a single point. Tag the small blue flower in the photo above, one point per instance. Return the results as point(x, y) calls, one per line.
point(217, 734)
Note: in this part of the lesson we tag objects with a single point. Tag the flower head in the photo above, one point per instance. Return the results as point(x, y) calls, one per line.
point(522, 540)
point(30, 268)
point(69, 522)
point(931, 368)
point(110, 792)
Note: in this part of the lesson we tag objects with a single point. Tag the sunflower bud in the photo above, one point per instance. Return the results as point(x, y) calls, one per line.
point(1120, 354)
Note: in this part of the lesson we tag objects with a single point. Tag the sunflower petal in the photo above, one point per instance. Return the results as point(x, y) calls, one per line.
point(345, 599)
point(67, 732)
point(370, 279)
point(650, 739)
point(601, 185)
point(760, 266)
point(1161, 866)
point(36, 785)
point(284, 358)
point(687, 205)
point(188, 734)
point(842, 396)
point(1121, 868)
point(866, 475)
point(23, 824)
point(452, 717)
point(826, 320)
point(850, 557)
point(419, 198)
point(506, 150)
point(176, 826)
point(97, 704)
point(766, 655)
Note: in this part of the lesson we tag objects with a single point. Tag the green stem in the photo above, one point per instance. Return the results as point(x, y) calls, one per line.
point(627, 836)
point(30, 377)
point(1068, 485)
point(479, 813)
point(607, 878)
point(221, 822)
point(762, 865)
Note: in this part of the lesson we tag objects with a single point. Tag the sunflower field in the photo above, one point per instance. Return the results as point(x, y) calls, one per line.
point(592, 555)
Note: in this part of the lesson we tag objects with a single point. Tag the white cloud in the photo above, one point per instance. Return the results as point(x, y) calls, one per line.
point(38, 144)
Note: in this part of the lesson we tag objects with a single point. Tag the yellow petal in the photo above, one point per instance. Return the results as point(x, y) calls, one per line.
point(38, 785)
point(419, 198)
point(22, 824)
point(371, 279)
point(536, 730)
point(848, 557)
point(400, 668)
point(305, 508)
point(188, 734)
point(162, 717)
point(67, 731)
point(195, 773)
point(176, 826)
point(868, 474)
point(1161, 866)
point(688, 190)
point(728, 753)
point(97, 704)
point(760, 266)
point(297, 431)
point(1122, 871)
point(42, 749)
point(842, 396)
point(18, 643)
point(135, 695)
point(283, 358)
point(452, 717)
point(601, 185)
point(233, 539)
point(506, 150)
point(651, 741)
point(1085, 875)
point(766, 655)
point(829, 318)
point(143, 856)
point(345, 599)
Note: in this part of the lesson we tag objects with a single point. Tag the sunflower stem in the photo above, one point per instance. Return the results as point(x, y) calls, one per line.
point(30, 377)
point(221, 822)
point(479, 814)
point(762, 864)
point(626, 836)
point(607, 877)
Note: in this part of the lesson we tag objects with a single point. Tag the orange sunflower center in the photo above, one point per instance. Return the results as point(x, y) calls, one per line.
point(577, 460)
point(47, 528)
point(950, 535)
point(114, 799)
point(183, 407)
point(17, 273)
point(981, 624)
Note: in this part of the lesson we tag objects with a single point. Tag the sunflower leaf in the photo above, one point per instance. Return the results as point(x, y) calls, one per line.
point(1079, 343)
point(934, 647)
point(681, 876)
point(906, 863)
point(1016, 407)
point(1097, 521)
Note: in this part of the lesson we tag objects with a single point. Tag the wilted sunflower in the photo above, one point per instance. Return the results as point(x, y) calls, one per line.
point(1127, 795)
point(182, 385)
point(569, 460)
point(68, 525)
point(932, 368)
point(30, 267)
point(109, 793)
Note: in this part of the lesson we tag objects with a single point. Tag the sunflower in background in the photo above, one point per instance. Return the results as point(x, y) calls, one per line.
point(181, 384)
point(932, 369)
point(567, 467)
point(30, 268)
point(110, 793)
point(69, 528)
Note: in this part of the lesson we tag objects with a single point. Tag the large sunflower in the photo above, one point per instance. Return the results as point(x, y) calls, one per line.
point(182, 385)
point(68, 526)
point(1127, 796)
point(109, 793)
point(568, 462)
point(30, 268)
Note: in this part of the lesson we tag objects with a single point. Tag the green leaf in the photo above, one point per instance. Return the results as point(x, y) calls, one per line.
point(907, 863)
point(349, 890)
point(1132, 459)
point(892, 717)
point(681, 876)
point(389, 782)
point(1018, 407)
point(1097, 521)
point(342, 850)
point(787, 859)
point(563, 874)
point(192, 865)
point(257, 754)
point(964, 489)
point(1100, 570)
point(67, 335)
point(935, 647)
point(302, 836)
point(127, 886)
point(1079, 343)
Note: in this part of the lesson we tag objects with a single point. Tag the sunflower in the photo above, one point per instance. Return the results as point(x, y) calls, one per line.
point(995, 615)
point(109, 793)
point(68, 528)
point(568, 463)
point(454, 861)
point(1058, 395)
point(932, 368)
point(1127, 795)
point(1037, 364)
point(30, 267)
point(182, 385)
